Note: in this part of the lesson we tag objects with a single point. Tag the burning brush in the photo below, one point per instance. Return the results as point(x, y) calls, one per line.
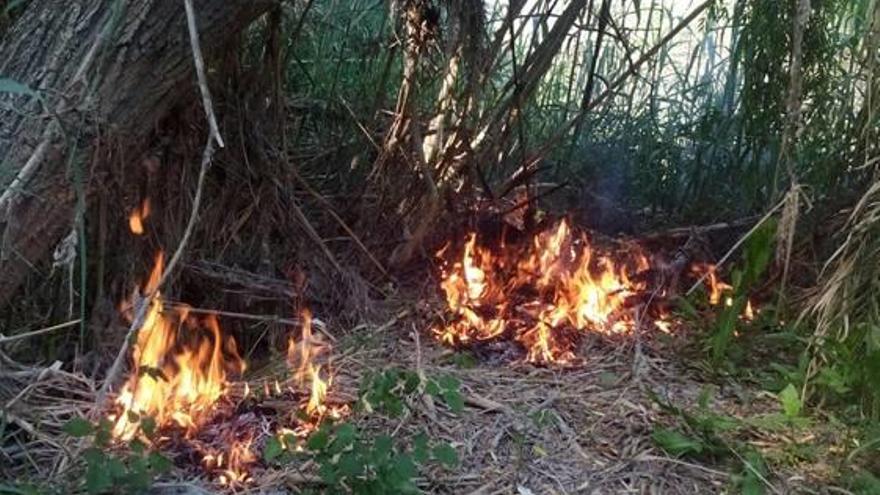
point(181, 378)
point(545, 294)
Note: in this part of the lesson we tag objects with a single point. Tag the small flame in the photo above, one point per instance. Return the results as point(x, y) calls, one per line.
point(716, 286)
point(749, 312)
point(300, 357)
point(138, 216)
point(233, 466)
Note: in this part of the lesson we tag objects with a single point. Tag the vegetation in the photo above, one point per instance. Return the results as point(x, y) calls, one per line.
point(347, 141)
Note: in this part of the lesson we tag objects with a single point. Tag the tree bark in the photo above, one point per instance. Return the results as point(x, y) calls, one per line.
point(103, 68)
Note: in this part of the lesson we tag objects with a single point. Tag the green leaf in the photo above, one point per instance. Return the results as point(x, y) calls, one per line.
point(382, 446)
point(78, 427)
point(115, 468)
point(319, 440)
point(751, 481)
point(346, 434)
point(453, 399)
point(272, 450)
point(148, 425)
point(159, 463)
point(411, 382)
point(405, 468)
point(420, 448)
point(449, 382)
point(328, 473)
point(676, 443)
point(137, 446)
point(98, 479)
point(350, 465)
point(445, 454)
point(791, 401)
point(432, 388)
point(103, 432)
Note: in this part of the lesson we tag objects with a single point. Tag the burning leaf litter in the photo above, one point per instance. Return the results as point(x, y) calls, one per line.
point(181, 379)
point(547, 293)
point(543, 295)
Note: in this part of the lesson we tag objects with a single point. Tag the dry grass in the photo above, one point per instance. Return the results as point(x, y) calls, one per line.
point(524, 429)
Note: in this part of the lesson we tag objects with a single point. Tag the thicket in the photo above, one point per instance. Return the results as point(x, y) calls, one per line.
point(369, 121)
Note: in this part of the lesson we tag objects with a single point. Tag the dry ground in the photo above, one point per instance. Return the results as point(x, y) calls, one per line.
point(524, 430)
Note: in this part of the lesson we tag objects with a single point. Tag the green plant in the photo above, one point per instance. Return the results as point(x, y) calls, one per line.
point(757, 253)
point(109, 468)
point(387, 391)
point(351, 461)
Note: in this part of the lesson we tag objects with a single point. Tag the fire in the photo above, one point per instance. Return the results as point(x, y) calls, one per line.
point(234, 466)
point(301, 358)
point(715, 285)
point(180, 367)
point(138, 216)
point(570, 286)
point(749, 312)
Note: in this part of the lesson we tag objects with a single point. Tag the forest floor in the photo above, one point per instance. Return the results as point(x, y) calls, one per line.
point(638, 415)
point(594, 428)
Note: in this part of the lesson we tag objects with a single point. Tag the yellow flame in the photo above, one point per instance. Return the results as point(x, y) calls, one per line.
point(749, 312)
point(179, 367)
point(301, 357)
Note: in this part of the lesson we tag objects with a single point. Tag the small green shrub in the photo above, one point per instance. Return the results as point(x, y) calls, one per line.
point(351, 461)
point(127, 470)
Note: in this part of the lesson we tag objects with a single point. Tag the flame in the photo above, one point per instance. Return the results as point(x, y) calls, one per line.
point(233, 465)
point(715, 285)
point(300, 357)
point(749, 312)
point(572, 285)
point(180, 367)
point(138, 216)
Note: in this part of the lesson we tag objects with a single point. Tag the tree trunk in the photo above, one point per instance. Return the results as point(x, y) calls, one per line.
point(106, 71)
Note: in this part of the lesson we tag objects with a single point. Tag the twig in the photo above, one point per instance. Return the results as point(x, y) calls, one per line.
point(319, 325)
point(12, 338)
point(699, 229)
point(313, 234)
point(648, 457)
point(737, 245)
point(200, 71)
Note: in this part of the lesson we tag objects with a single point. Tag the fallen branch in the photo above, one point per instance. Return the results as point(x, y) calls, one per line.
point(700, 229)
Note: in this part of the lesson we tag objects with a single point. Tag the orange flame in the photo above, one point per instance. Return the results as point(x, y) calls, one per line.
point(715, 285)
point(180, 367)
point(138, 216)
point(574, 286)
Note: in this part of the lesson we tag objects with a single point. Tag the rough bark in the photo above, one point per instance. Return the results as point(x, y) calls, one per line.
point(108, 68)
